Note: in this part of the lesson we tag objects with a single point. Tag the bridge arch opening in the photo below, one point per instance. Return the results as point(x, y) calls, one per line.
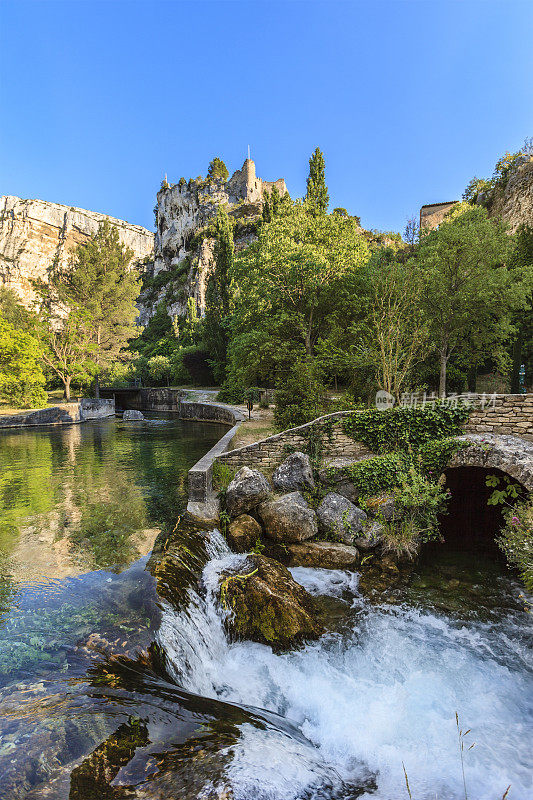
point(472, 524)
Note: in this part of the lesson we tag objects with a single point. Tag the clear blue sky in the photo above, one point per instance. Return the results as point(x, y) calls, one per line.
point(408, 100)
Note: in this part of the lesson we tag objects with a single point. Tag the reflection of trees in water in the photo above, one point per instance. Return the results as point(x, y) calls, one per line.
point(112, 513)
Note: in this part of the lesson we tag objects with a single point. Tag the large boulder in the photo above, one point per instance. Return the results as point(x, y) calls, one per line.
point(325, 555)
point(339, 519)
point(248, 488)
point(384, 507)
point(288, 518)
point(268, 606)
point(131, 415)
point(371, 535)
point(293, 474)
point(243, 533)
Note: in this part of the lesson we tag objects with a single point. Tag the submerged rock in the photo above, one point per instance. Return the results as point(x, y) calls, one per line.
point(243, 533)
point(131, 415)
point(325, 555)
point(340, 519)
point(294, 473)
point(268, 606)
point(248, 488)
point(288, 518)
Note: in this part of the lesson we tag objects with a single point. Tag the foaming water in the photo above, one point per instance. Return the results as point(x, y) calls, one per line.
point(384, 693)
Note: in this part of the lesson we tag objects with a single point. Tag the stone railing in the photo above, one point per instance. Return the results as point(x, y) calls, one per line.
point(499, 414)
point(268, 453)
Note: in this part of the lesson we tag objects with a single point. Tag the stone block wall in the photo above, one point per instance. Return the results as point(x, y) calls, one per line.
point(503, 414)
point(269, 453)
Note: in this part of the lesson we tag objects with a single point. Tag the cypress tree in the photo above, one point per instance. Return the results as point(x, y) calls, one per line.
point(317, 191)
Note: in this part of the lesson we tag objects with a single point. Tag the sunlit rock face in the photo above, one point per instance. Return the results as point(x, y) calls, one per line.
point(33, 233)
point(184, 250)
point(514, 203)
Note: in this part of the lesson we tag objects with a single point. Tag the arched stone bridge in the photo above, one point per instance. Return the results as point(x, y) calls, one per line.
point(509, 454)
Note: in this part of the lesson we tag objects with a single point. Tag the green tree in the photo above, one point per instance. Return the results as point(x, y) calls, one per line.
point(217, 169)
point(522, 348)
point(14, 312)
point(88, 308)
point(289, 286)
point(467, 293)
point(217, 316)
point(21, 376)
point(317, 191)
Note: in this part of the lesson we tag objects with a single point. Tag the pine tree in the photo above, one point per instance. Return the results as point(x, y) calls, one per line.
point(217, 169)
point(317, 191)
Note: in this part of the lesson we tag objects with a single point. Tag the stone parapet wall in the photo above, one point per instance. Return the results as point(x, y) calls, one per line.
point(268, 453)
point(502, 414)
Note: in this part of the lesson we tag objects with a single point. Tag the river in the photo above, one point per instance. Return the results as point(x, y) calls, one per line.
point(87, 714)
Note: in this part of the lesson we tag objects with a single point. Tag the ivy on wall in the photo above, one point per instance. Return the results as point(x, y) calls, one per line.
point(405, 429)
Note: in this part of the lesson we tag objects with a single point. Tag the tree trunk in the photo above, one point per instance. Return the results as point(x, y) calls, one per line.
point(442, 380)
point(97, 387)
point(66, 383)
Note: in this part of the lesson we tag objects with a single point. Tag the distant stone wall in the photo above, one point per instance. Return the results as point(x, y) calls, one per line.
point(503, 414)
point(432, 215)
point(68, 413)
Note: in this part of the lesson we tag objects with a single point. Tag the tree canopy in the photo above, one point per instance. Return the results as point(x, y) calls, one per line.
point(317, 191)
point(217, 169)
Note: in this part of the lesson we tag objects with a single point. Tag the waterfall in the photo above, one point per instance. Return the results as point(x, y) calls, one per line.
point(382, 691)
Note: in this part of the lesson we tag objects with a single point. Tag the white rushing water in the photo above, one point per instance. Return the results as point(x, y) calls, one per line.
point(383, 692)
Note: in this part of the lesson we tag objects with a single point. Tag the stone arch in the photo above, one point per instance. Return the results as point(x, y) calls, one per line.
point(471, 522)
point(508, 454)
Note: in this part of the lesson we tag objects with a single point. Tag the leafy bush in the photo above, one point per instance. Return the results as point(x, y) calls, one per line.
point(516, 539)
point(223, 474)
point(405, 428)
point(159, 370)
point(299, 397)
point(238, 395)
point(375, 475)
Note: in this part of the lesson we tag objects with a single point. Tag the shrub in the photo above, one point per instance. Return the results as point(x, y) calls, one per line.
point(299, 396)
point(159, 369)
point(375, 475)
point(516, 539)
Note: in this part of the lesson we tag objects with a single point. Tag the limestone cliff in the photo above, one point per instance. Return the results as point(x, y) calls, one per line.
point(513, 201)
point(183, 250)
point(33, 233)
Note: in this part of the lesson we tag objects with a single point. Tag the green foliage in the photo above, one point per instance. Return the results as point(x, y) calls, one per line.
point(434, 455)
point(88, 310)
point(159, 370)
point(405, 428)
point(467, 293)
point(223, 474)
point(21, 376)
point(299, 396)
point(216, 323)
point(375, 475)
point(420, 501)
point(506, 491)
point(217, 169)
point(317, 191)
point(516, 539)
point(521, 262)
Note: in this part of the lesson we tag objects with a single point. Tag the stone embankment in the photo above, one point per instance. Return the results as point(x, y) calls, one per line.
point(66, 414)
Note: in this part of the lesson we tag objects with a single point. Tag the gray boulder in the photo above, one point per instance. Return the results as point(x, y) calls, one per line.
point(325, 555)
point(339, 519)
point(371, 536)
point(248, 488)
point(288, 518)
point(130, 415)
point(295, 473)
point(243, 533)
point(384, 507)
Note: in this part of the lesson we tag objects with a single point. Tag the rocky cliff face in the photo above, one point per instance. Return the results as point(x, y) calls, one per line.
point(183, 249)
point(513, 202)
point(33, 233)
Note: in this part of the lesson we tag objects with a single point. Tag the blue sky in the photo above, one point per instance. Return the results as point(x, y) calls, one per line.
point(408, 100)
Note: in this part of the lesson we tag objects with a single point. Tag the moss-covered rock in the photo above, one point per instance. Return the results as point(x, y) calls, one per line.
point(243, 533)
point(268, 606)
